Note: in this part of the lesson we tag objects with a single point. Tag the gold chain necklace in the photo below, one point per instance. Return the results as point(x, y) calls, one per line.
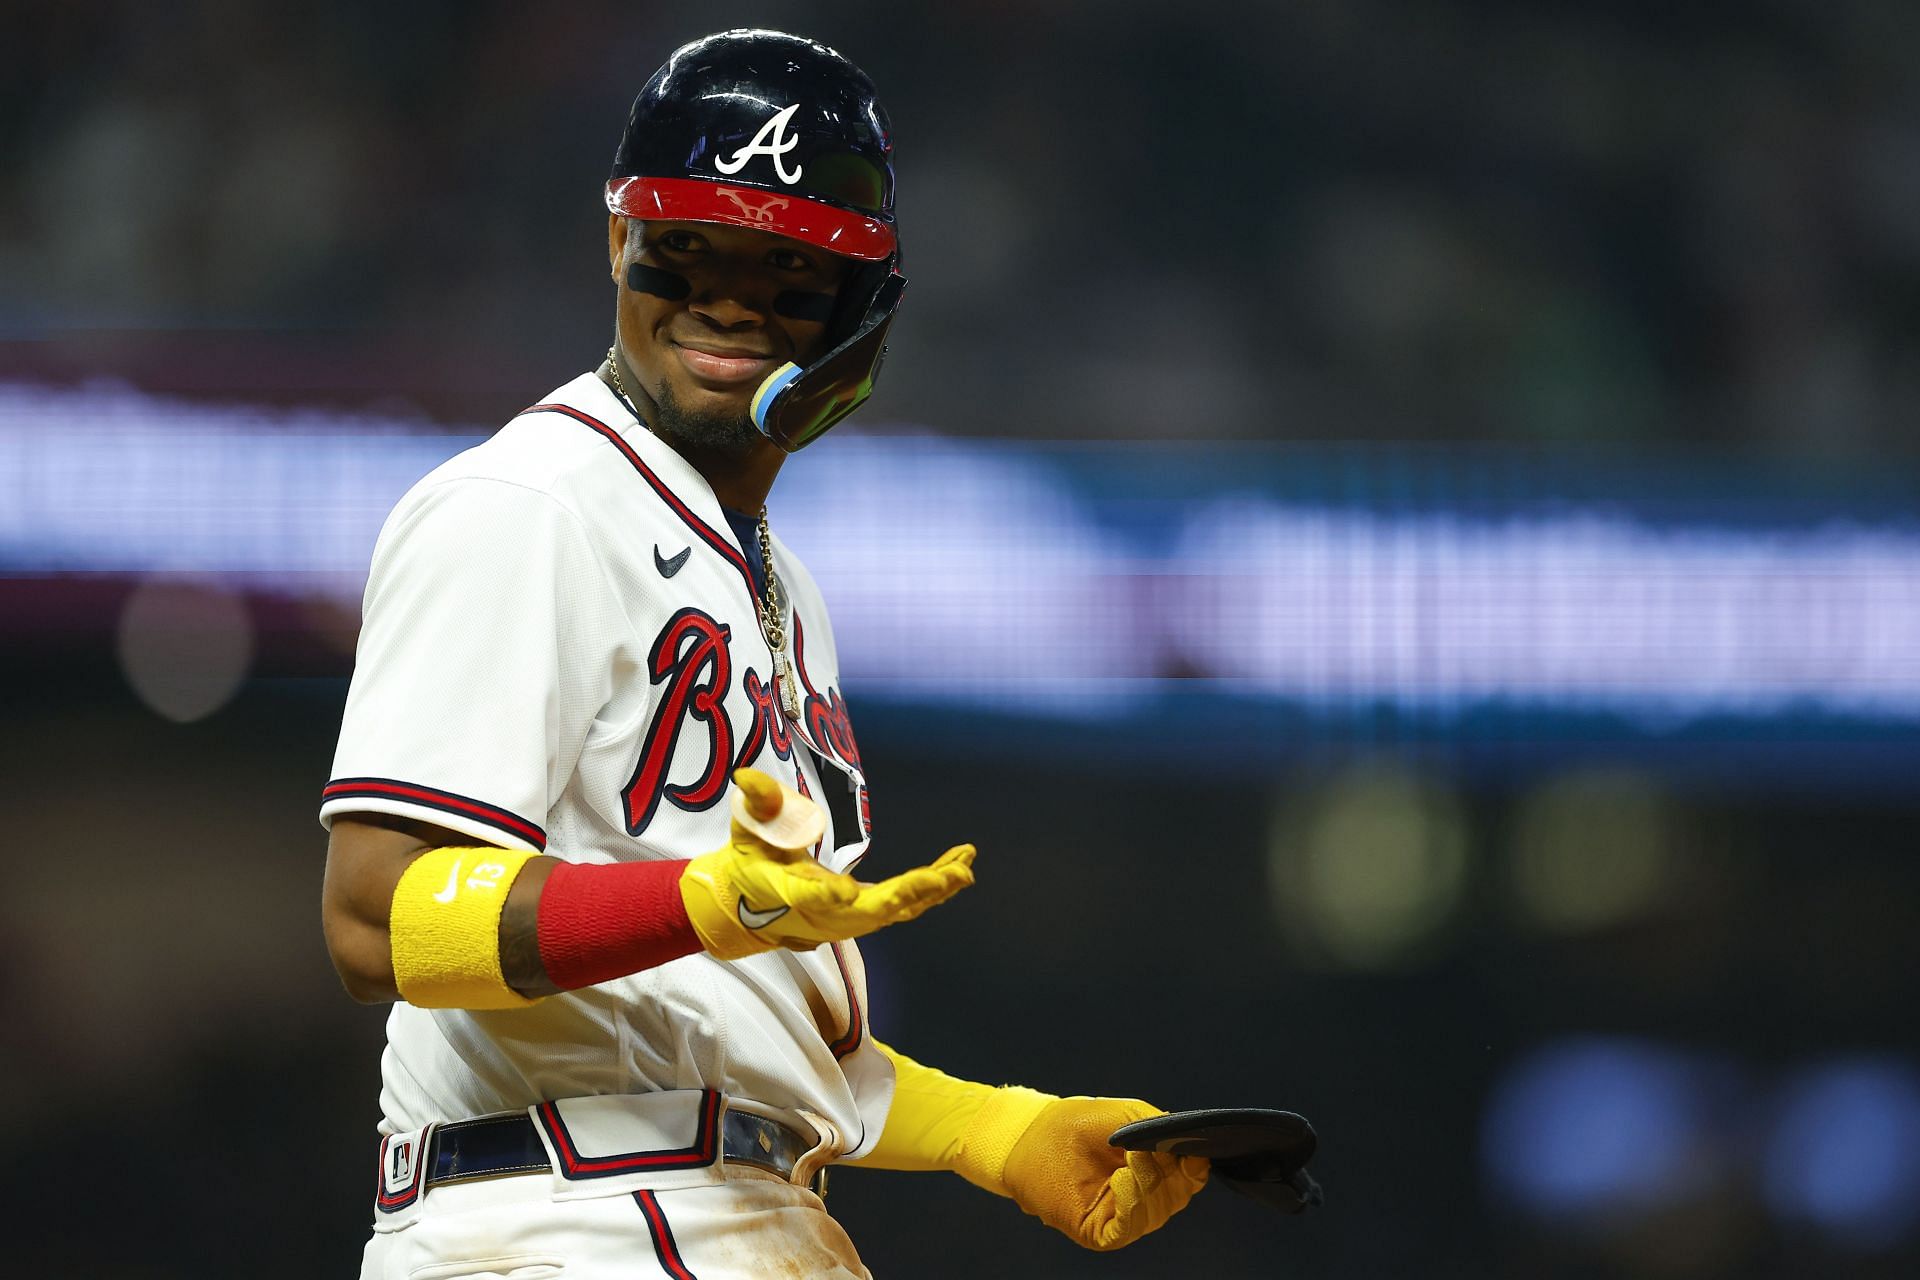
point(619, 389)
point(773, 624)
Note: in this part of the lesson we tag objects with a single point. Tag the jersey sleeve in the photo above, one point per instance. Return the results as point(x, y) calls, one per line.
point(488, 643)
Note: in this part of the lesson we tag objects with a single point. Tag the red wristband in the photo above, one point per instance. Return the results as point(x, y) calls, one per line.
point(599, 922)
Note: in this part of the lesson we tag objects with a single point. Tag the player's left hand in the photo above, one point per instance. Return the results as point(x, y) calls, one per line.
point(1063, 1170)
point(762, 890)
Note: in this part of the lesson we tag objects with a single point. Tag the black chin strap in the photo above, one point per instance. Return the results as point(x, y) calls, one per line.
point(794, 406)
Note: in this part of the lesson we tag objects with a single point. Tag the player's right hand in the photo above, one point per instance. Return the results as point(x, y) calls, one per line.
point(1052, 1155)
point(764, 890)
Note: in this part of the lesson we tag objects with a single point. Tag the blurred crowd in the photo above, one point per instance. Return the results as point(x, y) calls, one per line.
point(1613, 223)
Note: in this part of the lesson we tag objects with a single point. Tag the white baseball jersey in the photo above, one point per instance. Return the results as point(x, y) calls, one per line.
point(561, 653)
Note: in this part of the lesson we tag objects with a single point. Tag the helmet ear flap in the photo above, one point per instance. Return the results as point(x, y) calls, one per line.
point(856, 298)
point(795, 406)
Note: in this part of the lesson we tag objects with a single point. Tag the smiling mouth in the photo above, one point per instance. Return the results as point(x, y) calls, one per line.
point(723, 368)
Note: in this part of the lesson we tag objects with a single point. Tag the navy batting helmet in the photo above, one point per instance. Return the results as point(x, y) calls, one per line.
point(778, 133)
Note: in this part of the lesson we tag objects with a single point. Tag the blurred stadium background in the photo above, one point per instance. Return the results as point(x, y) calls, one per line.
point(1420, 496)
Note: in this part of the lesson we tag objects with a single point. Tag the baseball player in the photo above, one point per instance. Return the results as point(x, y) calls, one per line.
point(597, 803)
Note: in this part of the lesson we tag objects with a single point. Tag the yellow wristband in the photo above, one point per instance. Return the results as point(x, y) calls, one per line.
point(445, 929)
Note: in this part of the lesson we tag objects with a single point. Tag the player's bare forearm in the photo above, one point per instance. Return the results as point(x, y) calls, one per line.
point(520, 962)
point(366, 856)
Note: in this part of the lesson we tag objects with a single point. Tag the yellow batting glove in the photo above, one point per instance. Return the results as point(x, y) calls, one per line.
point(1052, 1157)
point(764, 890)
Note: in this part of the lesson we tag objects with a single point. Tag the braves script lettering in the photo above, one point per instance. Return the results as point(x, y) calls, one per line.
point(767, 726)
point(690, 659)
point(691, 662)
point(825, 716)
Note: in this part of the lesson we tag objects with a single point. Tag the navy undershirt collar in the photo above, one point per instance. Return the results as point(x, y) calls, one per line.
point(746, 531)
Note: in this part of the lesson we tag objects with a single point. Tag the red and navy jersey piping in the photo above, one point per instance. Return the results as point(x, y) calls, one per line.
point(701, 529)
point(856, 1030)
point(434, 798)
point(666, 1250)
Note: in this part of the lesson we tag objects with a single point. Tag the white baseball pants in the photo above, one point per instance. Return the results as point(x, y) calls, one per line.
point(752, 1226)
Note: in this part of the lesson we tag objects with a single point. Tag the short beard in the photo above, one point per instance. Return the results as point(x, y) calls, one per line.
point(714, 431)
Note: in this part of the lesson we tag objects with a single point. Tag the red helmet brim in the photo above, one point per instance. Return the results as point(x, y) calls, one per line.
point(696, 200)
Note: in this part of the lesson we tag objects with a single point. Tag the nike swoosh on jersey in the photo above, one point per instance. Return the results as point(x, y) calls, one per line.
point(670, 565)
point(453, 878)
point(759, 919)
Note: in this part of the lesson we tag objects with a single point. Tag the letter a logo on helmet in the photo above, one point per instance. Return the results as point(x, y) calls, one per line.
point(772, 140)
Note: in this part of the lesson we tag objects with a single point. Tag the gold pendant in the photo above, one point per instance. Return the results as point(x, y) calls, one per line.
point(789, 687)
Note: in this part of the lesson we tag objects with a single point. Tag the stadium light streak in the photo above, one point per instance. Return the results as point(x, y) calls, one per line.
point(1010, 576)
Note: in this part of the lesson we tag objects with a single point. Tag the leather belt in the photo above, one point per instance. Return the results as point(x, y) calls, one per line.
point(504, 1145)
